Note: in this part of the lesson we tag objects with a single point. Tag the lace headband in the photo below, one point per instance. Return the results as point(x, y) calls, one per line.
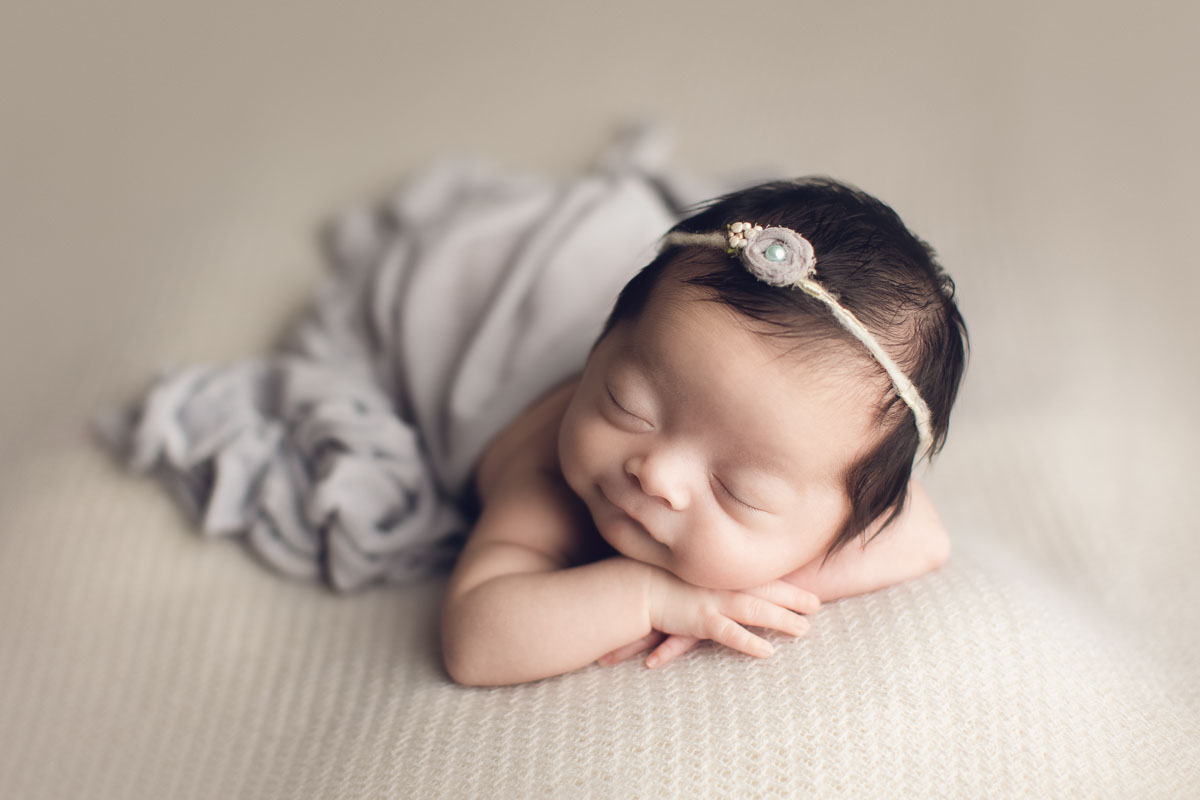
point(782, 257)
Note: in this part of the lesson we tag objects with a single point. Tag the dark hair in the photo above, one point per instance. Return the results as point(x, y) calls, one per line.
point(879, 270)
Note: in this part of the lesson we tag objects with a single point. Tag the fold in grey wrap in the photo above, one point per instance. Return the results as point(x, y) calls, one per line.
point(452, 305)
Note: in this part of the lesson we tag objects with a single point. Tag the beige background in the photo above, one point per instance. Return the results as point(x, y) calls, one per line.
point(149, 144)
point(162, 170)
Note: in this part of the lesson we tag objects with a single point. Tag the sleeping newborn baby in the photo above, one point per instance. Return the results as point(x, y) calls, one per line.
point(737, 449)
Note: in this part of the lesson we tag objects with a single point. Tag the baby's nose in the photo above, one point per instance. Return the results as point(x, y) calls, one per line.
point(659, 477)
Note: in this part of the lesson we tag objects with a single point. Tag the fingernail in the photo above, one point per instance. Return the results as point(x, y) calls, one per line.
point(652, 662)
point(766, 649)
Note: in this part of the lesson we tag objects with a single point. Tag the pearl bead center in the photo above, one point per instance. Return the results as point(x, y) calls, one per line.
point(776, 253)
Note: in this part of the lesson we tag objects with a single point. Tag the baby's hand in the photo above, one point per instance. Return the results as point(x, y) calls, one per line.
point(666, 649)
point(677, 607)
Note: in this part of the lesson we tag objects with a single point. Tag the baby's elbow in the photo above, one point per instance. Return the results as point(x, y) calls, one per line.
point(461, 671)
point(464, 668)
point(463, 662)
point(470, 657)
point(473, 670)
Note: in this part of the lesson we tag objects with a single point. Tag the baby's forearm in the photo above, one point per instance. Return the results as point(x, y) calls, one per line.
point(914, 544)
point(524, 626)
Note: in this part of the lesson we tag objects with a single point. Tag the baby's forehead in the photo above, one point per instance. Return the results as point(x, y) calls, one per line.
point(777, 400)
point(817, 350)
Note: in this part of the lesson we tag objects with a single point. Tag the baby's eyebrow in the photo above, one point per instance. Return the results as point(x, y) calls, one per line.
point(633, 351)
point(761, 454)
point(772, 468)
point(649, 371)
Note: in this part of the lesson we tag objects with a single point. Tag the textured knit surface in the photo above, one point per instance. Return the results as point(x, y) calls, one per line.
point(160, 171)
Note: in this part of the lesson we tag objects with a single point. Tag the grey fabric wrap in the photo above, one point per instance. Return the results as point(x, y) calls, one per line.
point(452, 304)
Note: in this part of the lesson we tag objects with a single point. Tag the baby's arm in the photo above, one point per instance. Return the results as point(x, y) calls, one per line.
point(914, 544)
point(515, 611)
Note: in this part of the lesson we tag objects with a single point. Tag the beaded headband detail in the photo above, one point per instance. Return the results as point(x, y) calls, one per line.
point(781, 257)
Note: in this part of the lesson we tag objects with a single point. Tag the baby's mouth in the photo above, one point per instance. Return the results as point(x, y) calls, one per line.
point(615, 504)
point(631, 517)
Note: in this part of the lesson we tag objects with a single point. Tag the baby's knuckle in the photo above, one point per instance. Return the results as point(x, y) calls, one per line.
point(800, 599)
point(718, 628)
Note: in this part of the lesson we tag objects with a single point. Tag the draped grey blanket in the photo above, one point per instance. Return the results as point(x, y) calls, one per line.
point(452, 304)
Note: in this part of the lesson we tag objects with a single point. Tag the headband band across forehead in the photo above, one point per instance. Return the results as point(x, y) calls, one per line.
point(781, 257)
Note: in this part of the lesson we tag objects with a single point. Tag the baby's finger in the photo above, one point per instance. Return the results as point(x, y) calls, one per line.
point(669, 650)
point(632, 649)
point(788, 595)
point(751, 609)
point(727, 632)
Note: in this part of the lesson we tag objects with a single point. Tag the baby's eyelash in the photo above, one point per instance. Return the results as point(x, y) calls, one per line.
point(735, 498)
point(612, 398)
point(622, 408)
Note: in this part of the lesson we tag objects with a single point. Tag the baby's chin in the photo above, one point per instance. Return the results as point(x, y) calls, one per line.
point(704, 576)
point(715, 580)
point(711, 574)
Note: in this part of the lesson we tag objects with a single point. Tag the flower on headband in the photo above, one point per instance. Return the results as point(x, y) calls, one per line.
point(782, 257)
point(778, 256)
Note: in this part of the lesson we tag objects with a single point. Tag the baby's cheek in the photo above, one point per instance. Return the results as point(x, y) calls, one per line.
point(710, 559)
point(569, 453)
point(577, 448)
point(832, 515)
point(810, 532)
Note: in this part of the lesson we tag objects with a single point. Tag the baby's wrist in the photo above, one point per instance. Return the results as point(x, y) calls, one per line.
point(642, 581)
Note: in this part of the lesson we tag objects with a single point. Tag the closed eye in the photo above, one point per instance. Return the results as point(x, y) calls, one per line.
point(725, 490)
point(612, 398)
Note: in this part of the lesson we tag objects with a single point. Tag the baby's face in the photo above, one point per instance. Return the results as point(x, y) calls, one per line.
point(705, 448)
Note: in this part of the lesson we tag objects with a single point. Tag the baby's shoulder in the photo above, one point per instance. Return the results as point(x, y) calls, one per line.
point(524, 498)
point(528, 445)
